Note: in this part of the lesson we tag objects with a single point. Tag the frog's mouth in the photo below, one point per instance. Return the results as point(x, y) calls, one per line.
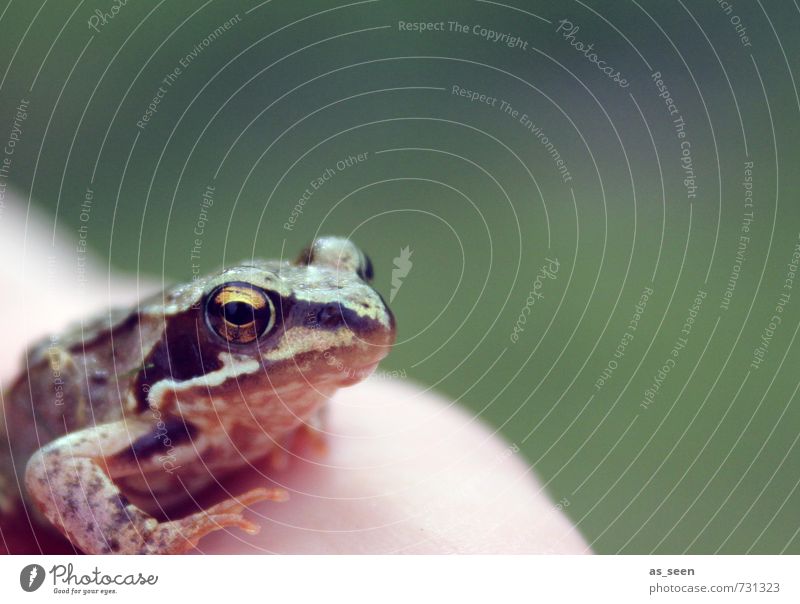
point(339, 366)
point(344, 375)
point(341, 359)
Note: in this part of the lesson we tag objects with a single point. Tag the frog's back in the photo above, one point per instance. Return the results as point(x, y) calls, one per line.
point(84, 376)
point(77, 379)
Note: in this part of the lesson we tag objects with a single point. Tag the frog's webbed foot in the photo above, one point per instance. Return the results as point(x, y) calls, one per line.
point(69, 481)
point(182, 535)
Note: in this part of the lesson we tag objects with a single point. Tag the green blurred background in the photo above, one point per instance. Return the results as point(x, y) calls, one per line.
point(711, 463)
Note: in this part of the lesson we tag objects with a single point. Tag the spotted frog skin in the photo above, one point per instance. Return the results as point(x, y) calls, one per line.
point(148, 406)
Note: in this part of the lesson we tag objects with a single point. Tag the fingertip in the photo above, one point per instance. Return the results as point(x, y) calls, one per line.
point(410, 472)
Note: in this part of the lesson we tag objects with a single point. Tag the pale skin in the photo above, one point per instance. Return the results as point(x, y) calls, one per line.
point(361, 493)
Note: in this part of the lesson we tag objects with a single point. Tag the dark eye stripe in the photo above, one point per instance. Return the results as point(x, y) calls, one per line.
point(172, 432)
point(182, 353)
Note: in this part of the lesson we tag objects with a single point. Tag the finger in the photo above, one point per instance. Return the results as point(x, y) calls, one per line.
point(51, 282)
point(405, 472)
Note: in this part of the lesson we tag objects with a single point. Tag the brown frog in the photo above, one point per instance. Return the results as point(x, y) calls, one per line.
point(122, 418)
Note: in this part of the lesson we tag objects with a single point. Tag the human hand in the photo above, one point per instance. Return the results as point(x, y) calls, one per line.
point(405, 471)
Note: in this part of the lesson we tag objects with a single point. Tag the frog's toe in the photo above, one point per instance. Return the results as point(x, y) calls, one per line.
point(236, 520)
point(255, 495)
point(227, 514)
point(230, 511)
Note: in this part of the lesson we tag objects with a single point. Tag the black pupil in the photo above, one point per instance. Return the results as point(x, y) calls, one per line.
point(238, 313)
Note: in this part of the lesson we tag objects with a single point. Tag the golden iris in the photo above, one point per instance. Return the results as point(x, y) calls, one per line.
point(240, 312)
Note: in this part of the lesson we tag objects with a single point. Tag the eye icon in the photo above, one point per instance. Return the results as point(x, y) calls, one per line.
point(31, 577)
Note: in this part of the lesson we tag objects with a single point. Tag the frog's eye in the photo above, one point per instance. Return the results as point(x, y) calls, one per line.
point(365, 270)
point(239, 312)
point(339, 253)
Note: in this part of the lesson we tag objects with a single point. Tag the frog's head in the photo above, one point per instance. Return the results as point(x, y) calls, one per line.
point(314, 321)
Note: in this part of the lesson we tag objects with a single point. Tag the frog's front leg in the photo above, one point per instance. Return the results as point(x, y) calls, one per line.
point(69, 480)
point(310, 434)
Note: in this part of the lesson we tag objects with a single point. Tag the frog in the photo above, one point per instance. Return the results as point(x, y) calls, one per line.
point(126, 416)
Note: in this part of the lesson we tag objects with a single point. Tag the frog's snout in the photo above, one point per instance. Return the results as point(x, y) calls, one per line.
point(372, 322)
point(330, 316)
point(383, 330)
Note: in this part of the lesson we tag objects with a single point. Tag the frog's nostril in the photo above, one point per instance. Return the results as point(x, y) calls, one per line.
point(330, 316)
